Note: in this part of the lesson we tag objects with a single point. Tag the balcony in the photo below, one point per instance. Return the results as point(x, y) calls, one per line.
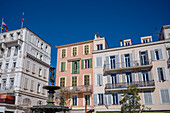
point(7, 89)
point(78, 89)
point(123, 66)
point(123, 86)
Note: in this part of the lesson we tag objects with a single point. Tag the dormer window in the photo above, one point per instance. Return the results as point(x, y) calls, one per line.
point(100, 47)
point(147, 39)
point(127, 43)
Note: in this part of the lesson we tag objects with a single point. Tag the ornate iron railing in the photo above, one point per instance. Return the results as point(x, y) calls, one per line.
point(81, 88)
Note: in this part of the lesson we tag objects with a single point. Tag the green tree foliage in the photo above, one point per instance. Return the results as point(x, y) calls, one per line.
point(131, 101)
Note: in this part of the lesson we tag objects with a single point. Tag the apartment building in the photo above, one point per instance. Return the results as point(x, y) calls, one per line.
point(75, 74)
point(145, 64)
point(24, 69)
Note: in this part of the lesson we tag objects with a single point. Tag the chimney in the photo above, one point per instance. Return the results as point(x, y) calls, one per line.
point(98, 36)
point(95, 36)
point(121, 44)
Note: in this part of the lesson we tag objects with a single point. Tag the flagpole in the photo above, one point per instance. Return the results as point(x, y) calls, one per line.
point(2, 25)
point(22, 20)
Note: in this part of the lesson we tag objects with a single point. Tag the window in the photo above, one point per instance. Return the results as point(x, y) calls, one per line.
point(115, 98)
point(100, 99)
point(62, 82)
point(41, 57)
point(14, 64)
point(63, 66)
point(9, 52)
point(0, 65)
point(3, 83)
point(74, 81)
point(100, 47)
point(33, 69)
point(28, 66)
point(157, 54)
point(86, 80)
point(145, 76)
point(63, 53)
point(144, 58)
point(161, 74)
point(165, 96)
point(127, 43)
point(2, 53)
point(147, 40)
point(86, 49)
point(112, 62)
point(127, 60)
point(32, 85)
point(147, 97)
point(114, 79)
point(98, 61)
point(46, 48)
point(38, 88)
point(45, 73)
point(40, 72)
point(7, 64)
point(16, 50)
point(75, 67)
point(11, 82)
point(25, 83)
point(99, 79)
point(87, 63)
point(41, 45)
point(74, 100)
point(74, 51)
point(87, 99)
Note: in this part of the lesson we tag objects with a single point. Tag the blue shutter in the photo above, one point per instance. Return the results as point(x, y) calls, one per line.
point(147, 59)
point(109, 79)
point(117, 61)
point(117, 78)
point(119, 97)
point(101, 79)
point(98, 79)
point(131, 60)
point(109, 99)
point(164, 73)
point(124, 77)
point(122, 61)
point(95, 99)
point(160, 54)
point(140, 76)
point(76, 100)
point(104, 99)
point(107, 63)
point(133, 77)
point(158, 75)
point(153, 54)
point(149, 75)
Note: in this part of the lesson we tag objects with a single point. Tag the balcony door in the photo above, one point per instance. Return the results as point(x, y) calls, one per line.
point(114, 79)
point(129, 77)
point(112, 62)
point(127, 60)
point(144, 58)
point(145, 76)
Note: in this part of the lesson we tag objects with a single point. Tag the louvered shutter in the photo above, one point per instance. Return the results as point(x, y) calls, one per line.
point(109, 79)
point(131, 60)
point(158, 74)
point(124, 77)
point(149, 75)
point(147, 58)
point(164, 73)
point(98, 79)
point(165, 98)
point(153, 54)
point(160, 54)
point(107, 62)
point(119, 98)
point(109, 99)
point(95, 99)
point(104, 99)
point(82, 64)
point(117, 61)
point(122, 61)
point(78, 67)
point(148, 98)
point(101, 79)
point(90, 62)
point(133, 77)
point(117, 78)
point(140, 76)
point(73, 67)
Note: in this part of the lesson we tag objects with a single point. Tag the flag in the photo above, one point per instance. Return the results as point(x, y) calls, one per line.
point(1, 28)
point(6, 28)
point(22, 19)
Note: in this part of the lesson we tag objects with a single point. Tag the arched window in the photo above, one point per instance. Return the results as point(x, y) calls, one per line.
point(39, 102)
point(27, 102)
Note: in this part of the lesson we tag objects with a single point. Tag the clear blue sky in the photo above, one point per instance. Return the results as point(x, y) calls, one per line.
point(67, 21)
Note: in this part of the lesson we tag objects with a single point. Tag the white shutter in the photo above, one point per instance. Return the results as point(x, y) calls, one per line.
point(165, 97)
point(148, 98)
point(98, 61)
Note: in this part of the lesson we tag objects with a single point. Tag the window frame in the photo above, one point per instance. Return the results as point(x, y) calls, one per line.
point(84, 79)
point(62, 53)
point(84, 49)
point(73, 52)
point(64, 81)
point(160, 95)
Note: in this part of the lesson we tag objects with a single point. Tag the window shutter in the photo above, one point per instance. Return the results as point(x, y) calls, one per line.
point(149, 75)
point(82, 64)
point(165, 98)
point(140, 76)
point(109, 99)
point(152, 54)
point(109, 79)
point(117, 78)
point(101, 79)
point(140, 57)
point(95, 99)
point(131, 60)
point(90, 62)
point(119, 97)
point(107, 62)
point(160, 54)
point(148, 98)
point(104, 99)
point(117, 61)
point(147, 59)
point(133, 77)
point(98, 61)
point(64, 66)
point(78, 67)
point(73, 63)
point(98, 79)
point(122, 60)
point(158, 75)
point(124, 77)
point(164, 73)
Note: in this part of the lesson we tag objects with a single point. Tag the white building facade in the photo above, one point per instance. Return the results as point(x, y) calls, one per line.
point(24, 70)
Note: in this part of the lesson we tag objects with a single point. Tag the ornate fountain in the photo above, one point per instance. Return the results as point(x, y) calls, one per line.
point(50, 107)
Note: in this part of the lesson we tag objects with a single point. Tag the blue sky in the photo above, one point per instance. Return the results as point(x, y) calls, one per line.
point(67, 21)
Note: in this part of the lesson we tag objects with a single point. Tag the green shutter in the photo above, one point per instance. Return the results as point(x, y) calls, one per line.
point(61, 66)
point(90, 62)
point(64, 66)
point(78, 67)
point(82, 64)
point(73, 63)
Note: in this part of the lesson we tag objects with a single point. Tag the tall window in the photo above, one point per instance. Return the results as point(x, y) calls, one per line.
point(161, 73)
point(148, 97)
point(38, 88)
point(127, 43)
point(45, 73)
point(32, 85)
point(33, 69)
point(165, 96)
point(86, 49)
point(157, 54)
point(9, 52)
point(127, 60)
point(3, 83)
point(144, 58)
point(74, 51)
point(100, 47)
point(75, 67)
point(112, 62)
point(74, 100)
point(14, 64)
point(62, 82)
point(115, 98)
point(11, 82)
point(25, 83)
point(7, 64)
point(99, 79)
point(74, 81)
point(98, 61)
point(63, 66)
point(128, 77)
point(16, 50)
point(0, 65)
point(63, 53)
point(87, 63)
point(28, 66)
point(100, 99)
point(147, 40)
point(87, 99)
point(40, 72)
point(86, 80)
point(145, 76)
point(114, 79)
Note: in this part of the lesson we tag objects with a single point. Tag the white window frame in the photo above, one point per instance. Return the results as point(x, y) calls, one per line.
point(96, 61)
point(144, 98)
point(89, 78)
point(71, 80)
point(60, 78)
point(72, 51)
point(65, 66)
point(61, 52)
point(71, 102)
point(161, 95)
point(84, 98)
point(84, 49)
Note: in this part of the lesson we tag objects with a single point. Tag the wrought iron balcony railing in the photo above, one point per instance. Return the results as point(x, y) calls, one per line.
point(139, 84)
point(128, 64)
point(81, 88)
